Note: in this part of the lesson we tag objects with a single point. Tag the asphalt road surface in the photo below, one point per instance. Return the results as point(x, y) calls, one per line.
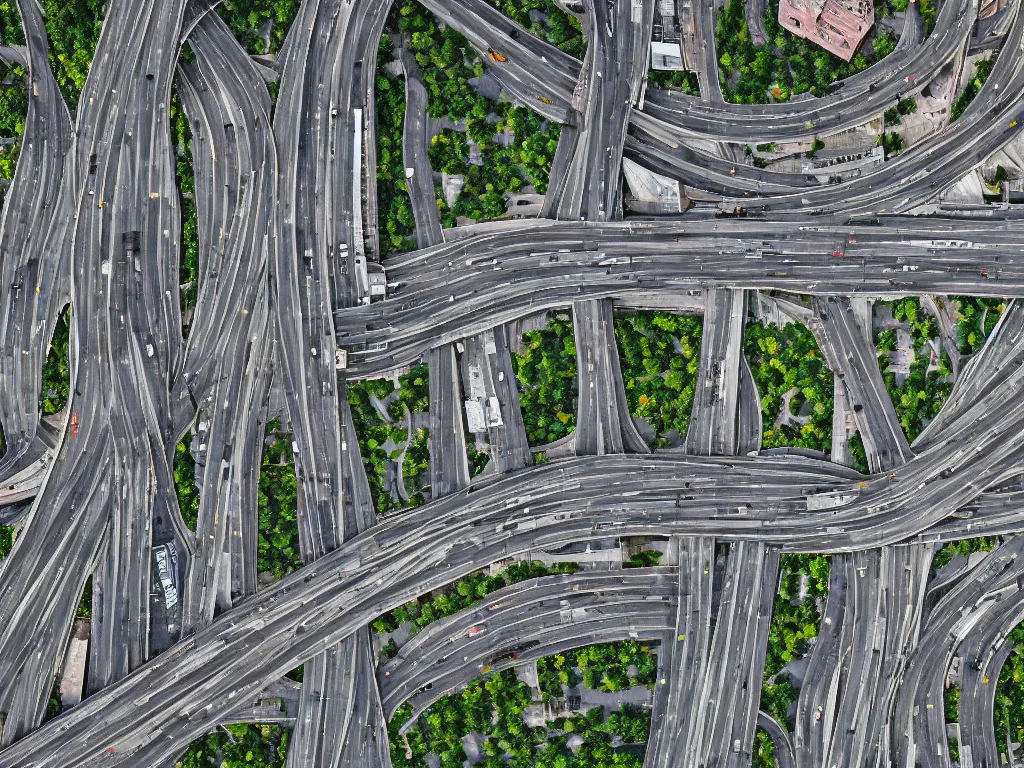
point(283, 321)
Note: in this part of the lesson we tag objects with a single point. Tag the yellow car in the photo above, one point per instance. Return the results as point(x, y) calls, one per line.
point(1013, 124)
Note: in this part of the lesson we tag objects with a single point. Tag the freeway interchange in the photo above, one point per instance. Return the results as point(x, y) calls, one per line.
point(287, 317)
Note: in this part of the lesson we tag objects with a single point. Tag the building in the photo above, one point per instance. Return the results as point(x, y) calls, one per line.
point(672, 36)
point(838, 26)
point(666, 56)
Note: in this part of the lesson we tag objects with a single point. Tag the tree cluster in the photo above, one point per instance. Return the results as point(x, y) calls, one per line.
point(982, 68)
point(1009, 704)
point(764, 750)
point(53, 395)
point(608, 666)
point(278, 545)
point(13, 92)
point(784, 359)
point(234, 746)
point(786, 65)
point(546, 370)
point(413, 393)
point(680, 80)
point(919, 399)
point(659, 353)
point(632, 724)
point(647, 558)
point(547, 21)
point(373, 432)
point(794, 623)
point(256, 23)
point(449, 64)
point(978, 318)
point(903, 107)
point(73, 28)
point(395, 220)
point(493, 708)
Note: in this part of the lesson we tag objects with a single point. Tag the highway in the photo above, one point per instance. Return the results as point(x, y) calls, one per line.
point(449, 468)
point(847, 341)
point(228, 106)
point(415, 146)
point(445, 293)
point(604, 424)
point(293, 304)
point(541, 616)
point(589, 159)
point(714, 421)
point(39, 202)
point(314, 270)
point(121, 197)
point(979, 602)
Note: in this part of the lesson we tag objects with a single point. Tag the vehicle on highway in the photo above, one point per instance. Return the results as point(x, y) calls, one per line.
point(495, 56)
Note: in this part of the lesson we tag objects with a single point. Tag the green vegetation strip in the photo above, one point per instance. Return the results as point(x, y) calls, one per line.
point(978, 318)
point(660, 357)
point(924, 391)
point(234, 746)
point(546, 369)
point(982, 68)
point(259, 25)
point(185, 482)
point(181, 139)
point(795, 622)
point(13, 96)
point(394, 209)
point(491, 708)
point(963, 547)
point(1009, 704)
point(374, 431)
point(788, 360)
point(56, 370)
point(448, 64)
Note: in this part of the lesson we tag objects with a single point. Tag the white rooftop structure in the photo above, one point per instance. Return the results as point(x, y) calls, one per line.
point(666, 56)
